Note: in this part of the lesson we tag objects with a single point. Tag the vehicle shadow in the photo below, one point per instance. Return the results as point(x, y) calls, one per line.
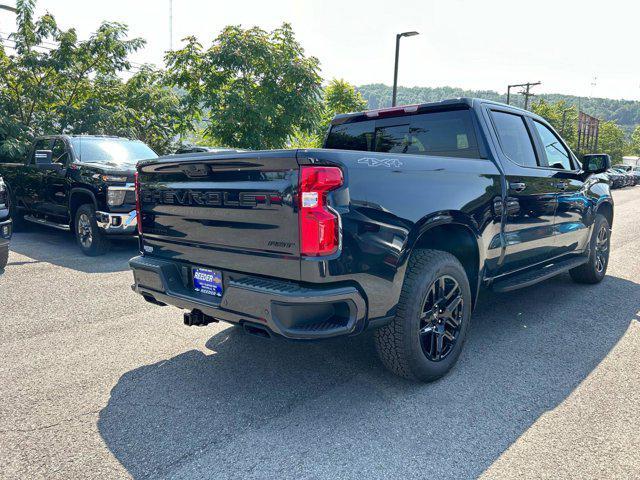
point(254, 408)
point(42, 244)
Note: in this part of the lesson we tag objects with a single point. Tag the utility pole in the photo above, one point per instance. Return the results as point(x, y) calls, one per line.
point(526, 92)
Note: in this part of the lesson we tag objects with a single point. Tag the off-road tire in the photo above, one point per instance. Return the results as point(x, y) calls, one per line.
point(589, 272)
point(398, 343)
point(98, 244)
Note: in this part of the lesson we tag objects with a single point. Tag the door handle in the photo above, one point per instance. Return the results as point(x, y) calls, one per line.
point(518, 186)
point(562, 185)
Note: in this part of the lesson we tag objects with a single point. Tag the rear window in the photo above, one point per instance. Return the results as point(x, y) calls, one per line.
point(446, 134)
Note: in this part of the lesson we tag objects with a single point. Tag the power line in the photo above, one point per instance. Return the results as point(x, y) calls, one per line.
point(135, 66)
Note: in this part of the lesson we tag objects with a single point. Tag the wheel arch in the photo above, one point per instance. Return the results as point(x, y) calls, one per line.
point(606, 208)
point(77, 198)
point(455, 233)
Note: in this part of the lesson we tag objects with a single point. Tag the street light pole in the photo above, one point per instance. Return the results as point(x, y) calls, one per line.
point(170, 24)
point(7, 7)
point(395, 70)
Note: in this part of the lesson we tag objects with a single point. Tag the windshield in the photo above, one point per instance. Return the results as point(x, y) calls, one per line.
point(116, 152)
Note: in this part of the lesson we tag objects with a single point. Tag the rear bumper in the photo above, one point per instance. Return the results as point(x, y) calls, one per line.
point(117, 223)
point(285, 308)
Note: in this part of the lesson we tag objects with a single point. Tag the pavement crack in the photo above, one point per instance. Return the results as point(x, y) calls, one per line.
point(50, 425)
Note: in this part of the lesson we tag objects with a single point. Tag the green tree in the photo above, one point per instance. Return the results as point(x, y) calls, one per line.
point(611, 140)
point(338, 97)
point(634, 144)
point(143, 107)
point(253, 88)
point(42, 87)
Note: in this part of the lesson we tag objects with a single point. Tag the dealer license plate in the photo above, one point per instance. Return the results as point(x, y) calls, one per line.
point(207, 281)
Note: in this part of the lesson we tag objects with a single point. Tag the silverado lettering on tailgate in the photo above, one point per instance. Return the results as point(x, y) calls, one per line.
point(209, 198)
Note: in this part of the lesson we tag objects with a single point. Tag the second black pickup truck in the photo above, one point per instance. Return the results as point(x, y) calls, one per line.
point(78, 183)
point(396, 225)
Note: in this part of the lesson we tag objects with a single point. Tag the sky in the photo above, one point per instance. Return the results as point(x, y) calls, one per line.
point(585, 48)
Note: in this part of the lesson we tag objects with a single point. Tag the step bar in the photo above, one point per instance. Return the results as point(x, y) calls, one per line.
point(531, 277)
point(47, 223)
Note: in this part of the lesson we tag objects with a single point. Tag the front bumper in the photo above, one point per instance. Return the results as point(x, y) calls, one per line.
point(6, 230)
point(285, 308)
point(117, 223)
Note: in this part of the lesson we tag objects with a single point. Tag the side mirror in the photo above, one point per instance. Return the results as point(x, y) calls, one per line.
point(43, 157)
point(596, 163)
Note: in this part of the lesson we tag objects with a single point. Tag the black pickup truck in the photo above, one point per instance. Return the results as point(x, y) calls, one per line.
point(5, 226)
point(395, 225)
point(80, 183)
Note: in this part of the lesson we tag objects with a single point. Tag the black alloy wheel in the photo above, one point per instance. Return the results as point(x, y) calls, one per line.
point(602, 249)
point(442, 316)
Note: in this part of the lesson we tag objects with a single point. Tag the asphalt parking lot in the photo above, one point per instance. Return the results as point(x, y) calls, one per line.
point(94, 382)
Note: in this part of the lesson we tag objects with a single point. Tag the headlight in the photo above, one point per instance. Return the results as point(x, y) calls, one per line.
point(115, 196)
point(113, 178)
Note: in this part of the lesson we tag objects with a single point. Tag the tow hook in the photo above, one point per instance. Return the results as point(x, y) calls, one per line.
point(197, 318)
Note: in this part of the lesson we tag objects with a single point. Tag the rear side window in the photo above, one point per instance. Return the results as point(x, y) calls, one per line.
point(514, 138)
point(448, 134)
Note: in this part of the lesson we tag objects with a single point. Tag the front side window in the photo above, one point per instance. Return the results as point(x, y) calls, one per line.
point(557, 155)
point(514, 138)
point(59, 152)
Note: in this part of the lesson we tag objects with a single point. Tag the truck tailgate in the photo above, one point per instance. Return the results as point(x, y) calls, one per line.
point(228, 211)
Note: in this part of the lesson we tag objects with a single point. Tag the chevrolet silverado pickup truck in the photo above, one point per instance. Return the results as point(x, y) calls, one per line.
point(395, 225)
point(79, 183)
point(5, 226)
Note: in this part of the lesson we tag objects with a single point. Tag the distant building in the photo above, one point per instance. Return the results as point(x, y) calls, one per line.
point(631, 160)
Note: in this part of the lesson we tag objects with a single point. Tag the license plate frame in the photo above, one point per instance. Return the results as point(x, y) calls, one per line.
point(207, 281)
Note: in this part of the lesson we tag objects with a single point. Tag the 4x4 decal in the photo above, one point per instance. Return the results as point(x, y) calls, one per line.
point(381, 162)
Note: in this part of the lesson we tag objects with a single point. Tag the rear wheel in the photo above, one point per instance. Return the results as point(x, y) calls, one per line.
point(596, 268)
point(425, 339)
point(89, 237)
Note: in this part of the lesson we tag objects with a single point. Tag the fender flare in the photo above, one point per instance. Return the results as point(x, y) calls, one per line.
point(83, 191)
point(607, 203)
point(438, 219)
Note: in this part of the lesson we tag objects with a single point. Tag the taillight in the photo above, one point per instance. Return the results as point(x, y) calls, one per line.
point(319, 226)
point(138, 209)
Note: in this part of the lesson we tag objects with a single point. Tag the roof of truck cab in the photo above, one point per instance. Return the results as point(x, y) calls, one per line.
point(462, 102)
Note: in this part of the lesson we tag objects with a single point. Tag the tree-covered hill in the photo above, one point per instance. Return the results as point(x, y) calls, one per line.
point(625, 113)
